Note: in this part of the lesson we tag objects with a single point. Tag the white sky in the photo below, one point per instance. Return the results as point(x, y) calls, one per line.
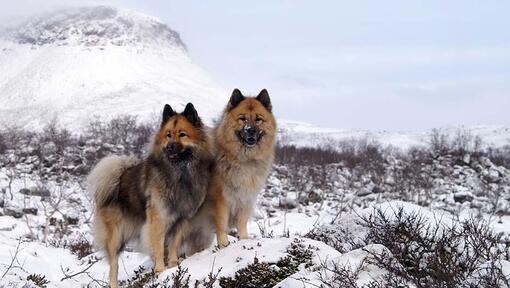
point(379, 65)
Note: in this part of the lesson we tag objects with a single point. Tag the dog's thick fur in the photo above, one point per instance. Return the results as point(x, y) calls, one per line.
point(243, 162)
point(153, 198)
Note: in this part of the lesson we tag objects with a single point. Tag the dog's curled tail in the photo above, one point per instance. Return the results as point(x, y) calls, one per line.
point(103, 181)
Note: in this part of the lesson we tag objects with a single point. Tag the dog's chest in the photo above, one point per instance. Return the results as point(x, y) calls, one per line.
point(243, 182)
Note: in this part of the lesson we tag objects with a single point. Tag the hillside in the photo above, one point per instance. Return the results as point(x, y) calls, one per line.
point(80, 63)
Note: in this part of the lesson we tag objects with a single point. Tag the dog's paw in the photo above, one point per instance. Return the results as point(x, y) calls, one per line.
point(173, 263)
point(159, 269)
point(223, 244)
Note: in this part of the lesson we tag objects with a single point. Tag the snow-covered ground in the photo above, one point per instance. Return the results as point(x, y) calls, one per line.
point(305, 134)
point(102, 61)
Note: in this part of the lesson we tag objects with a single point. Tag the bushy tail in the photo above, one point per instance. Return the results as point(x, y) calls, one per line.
point(104, 179)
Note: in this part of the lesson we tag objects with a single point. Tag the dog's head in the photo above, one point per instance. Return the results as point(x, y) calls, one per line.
point(251, 118)
point(180, 134)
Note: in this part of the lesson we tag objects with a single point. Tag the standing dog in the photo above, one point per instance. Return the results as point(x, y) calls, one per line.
point(244, 139)
point(153, 197)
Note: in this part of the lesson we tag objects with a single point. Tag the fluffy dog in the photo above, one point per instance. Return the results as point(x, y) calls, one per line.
point(154, 197)
point(244, 140)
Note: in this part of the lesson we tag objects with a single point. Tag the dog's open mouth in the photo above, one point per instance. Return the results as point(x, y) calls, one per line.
point(183, 155)
point(248, 141)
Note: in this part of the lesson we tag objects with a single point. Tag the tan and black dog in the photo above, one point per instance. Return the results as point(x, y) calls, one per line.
point(153, 198)
point(244, 140)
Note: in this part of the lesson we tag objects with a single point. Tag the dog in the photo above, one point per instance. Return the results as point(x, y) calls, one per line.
point(244, 147)
point(152, 199)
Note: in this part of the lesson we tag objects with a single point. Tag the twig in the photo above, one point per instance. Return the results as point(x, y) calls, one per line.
point(69, 276)
point(14, 258)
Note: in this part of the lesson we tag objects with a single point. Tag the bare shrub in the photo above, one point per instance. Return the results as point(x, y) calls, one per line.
point(436, 254)
point(38, 280)
point(306, 155)
point(463, 142)
point(363, 154)
point(81, 247)
point(60, 137)
point(122, 130)
point(499, 156)
point(421, 251)
point(264, 274)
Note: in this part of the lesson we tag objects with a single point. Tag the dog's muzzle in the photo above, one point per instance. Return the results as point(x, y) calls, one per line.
point(250, 135)
point(177, 152)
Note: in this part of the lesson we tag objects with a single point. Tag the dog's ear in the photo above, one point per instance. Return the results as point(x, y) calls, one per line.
point(167, 113)
point(263, 98)
point(191, 114)
point(235, 99)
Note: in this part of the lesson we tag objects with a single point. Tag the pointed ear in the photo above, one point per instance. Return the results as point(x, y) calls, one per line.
point(191, 114)
point(263, 98)
point(235, 99)
point(167, 113)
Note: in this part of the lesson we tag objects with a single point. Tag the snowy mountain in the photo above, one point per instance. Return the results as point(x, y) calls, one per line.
point(78, 63)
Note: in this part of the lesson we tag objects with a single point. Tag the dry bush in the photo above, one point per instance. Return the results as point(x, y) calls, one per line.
point(122, 130)
point(499, 156)
point(463, 142)
point(421, 251)
point(365, 155)
point(437, 254)
point(264, 274)
point(60, 137)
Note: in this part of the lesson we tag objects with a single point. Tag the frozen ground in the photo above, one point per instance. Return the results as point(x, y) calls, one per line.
point(281, 217)
point(48, 67)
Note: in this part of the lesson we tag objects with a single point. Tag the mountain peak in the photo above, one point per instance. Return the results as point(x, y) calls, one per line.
point(95, 26)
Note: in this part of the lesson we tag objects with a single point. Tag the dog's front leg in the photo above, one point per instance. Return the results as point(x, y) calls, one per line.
point(157, 231)
point(242, 223)
point(175, 243)
point(221, 211)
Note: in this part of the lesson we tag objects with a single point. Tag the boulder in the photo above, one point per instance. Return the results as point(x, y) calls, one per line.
point(462, 197)
point(32, 211)
point(35, 191)
point(16, 213)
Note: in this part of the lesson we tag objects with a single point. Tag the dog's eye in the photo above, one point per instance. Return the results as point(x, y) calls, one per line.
point(259, 120)
point(168, 135)
point(242, 118)
point(182, 134)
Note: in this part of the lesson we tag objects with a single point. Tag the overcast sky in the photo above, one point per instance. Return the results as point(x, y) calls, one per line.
point(379, 65)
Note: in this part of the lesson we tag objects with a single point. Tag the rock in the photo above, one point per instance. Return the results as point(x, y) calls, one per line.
point(314, 197)
point(287, 203)
point(364, 192)
point(462, 197)
point(71, 220)
point(35, 191)
point(493, 176)
point(32, 211)
point(16, 213)
point(466, 159)
point(377, 189)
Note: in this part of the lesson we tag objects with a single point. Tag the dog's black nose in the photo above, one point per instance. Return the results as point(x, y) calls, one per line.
point(251, 130)
point(173, 147)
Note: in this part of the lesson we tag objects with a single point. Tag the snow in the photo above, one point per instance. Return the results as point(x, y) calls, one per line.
point(352, 260)
point(103, 62)
point(79, 82)
point(308, 135)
